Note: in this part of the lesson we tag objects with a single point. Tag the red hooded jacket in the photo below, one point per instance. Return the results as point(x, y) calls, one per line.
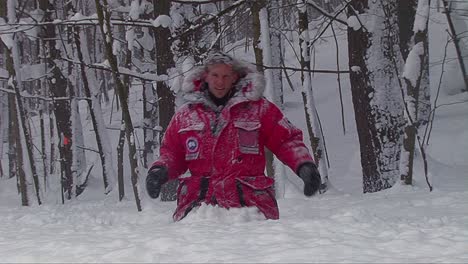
point(223, 147)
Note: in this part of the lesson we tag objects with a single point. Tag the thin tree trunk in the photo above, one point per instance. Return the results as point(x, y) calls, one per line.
point(257, 8)
point(120, 162)
point(164, 61)
point(13, 67)
point(62, 110)
point(413, 83)
point(106, 29)
point(456, 42)
point(3, 124)
point(406, 18)
point(310, 110)
point(93, 105)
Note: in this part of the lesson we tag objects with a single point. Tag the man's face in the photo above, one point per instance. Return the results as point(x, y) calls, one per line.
point(220, 79)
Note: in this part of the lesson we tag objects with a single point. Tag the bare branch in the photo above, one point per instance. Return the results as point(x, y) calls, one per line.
point(325, 13)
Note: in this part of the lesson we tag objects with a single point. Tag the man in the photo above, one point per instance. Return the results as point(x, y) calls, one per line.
point(219, 134)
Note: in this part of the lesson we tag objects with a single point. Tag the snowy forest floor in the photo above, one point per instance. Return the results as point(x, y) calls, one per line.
point(404, 224)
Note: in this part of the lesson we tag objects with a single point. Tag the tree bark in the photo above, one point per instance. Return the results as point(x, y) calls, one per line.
point(164, 62)
point(62, 109)
point(375, 92)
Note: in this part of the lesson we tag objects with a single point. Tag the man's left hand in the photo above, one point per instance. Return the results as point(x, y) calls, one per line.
point(309, 173)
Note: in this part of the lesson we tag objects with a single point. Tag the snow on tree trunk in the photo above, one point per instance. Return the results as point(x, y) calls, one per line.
point(313, 126)
point(413, 75)
point(375, 90)
point(406, 18)
point(3, 124)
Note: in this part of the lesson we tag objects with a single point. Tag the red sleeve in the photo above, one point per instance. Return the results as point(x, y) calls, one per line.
point(172, 152)
point(283, 138)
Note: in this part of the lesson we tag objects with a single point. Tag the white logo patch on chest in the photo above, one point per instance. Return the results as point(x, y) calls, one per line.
point(192, 145)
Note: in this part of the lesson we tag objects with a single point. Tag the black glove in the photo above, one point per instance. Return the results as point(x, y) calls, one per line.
point(310, 175)
point(157, 176)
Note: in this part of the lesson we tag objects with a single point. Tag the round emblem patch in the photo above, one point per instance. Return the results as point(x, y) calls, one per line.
point(192, 144)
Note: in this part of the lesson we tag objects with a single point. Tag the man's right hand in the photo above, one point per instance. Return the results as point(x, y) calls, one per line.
point(157, 176)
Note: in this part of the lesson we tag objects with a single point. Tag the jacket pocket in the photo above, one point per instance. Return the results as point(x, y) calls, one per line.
point(258, 191)
point(248, 132)
point(187, 197)
point(192, 134)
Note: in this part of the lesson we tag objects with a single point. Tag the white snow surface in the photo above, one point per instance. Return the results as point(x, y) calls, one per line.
point(404, 224)
point(407, 225)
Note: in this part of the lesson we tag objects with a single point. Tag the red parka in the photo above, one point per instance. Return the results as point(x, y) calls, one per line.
point(223, 147)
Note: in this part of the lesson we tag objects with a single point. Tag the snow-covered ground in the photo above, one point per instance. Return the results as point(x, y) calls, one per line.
point(403, 224)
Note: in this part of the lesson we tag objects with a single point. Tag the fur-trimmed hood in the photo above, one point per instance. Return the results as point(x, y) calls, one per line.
point(250, 86)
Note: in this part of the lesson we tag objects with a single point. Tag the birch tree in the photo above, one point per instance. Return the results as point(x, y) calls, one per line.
point(272, 50)
point(311, 115)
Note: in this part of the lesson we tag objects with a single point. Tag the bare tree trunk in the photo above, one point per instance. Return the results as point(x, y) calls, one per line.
point(13, 67)
point(13, 136)
point(106, 29)
point(43, 109)
point(94, 106)
point(456, 42)
point(3, 123)
point(120, 163)
point(406, 15)
point(150, 116)
point(53, 146)
point(62, 110)
point(164, 61)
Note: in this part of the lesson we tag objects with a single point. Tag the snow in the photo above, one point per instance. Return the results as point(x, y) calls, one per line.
point(412, 66)
point(422, 12)
point(404, 224)
point(353, 22)
point(162, 21)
